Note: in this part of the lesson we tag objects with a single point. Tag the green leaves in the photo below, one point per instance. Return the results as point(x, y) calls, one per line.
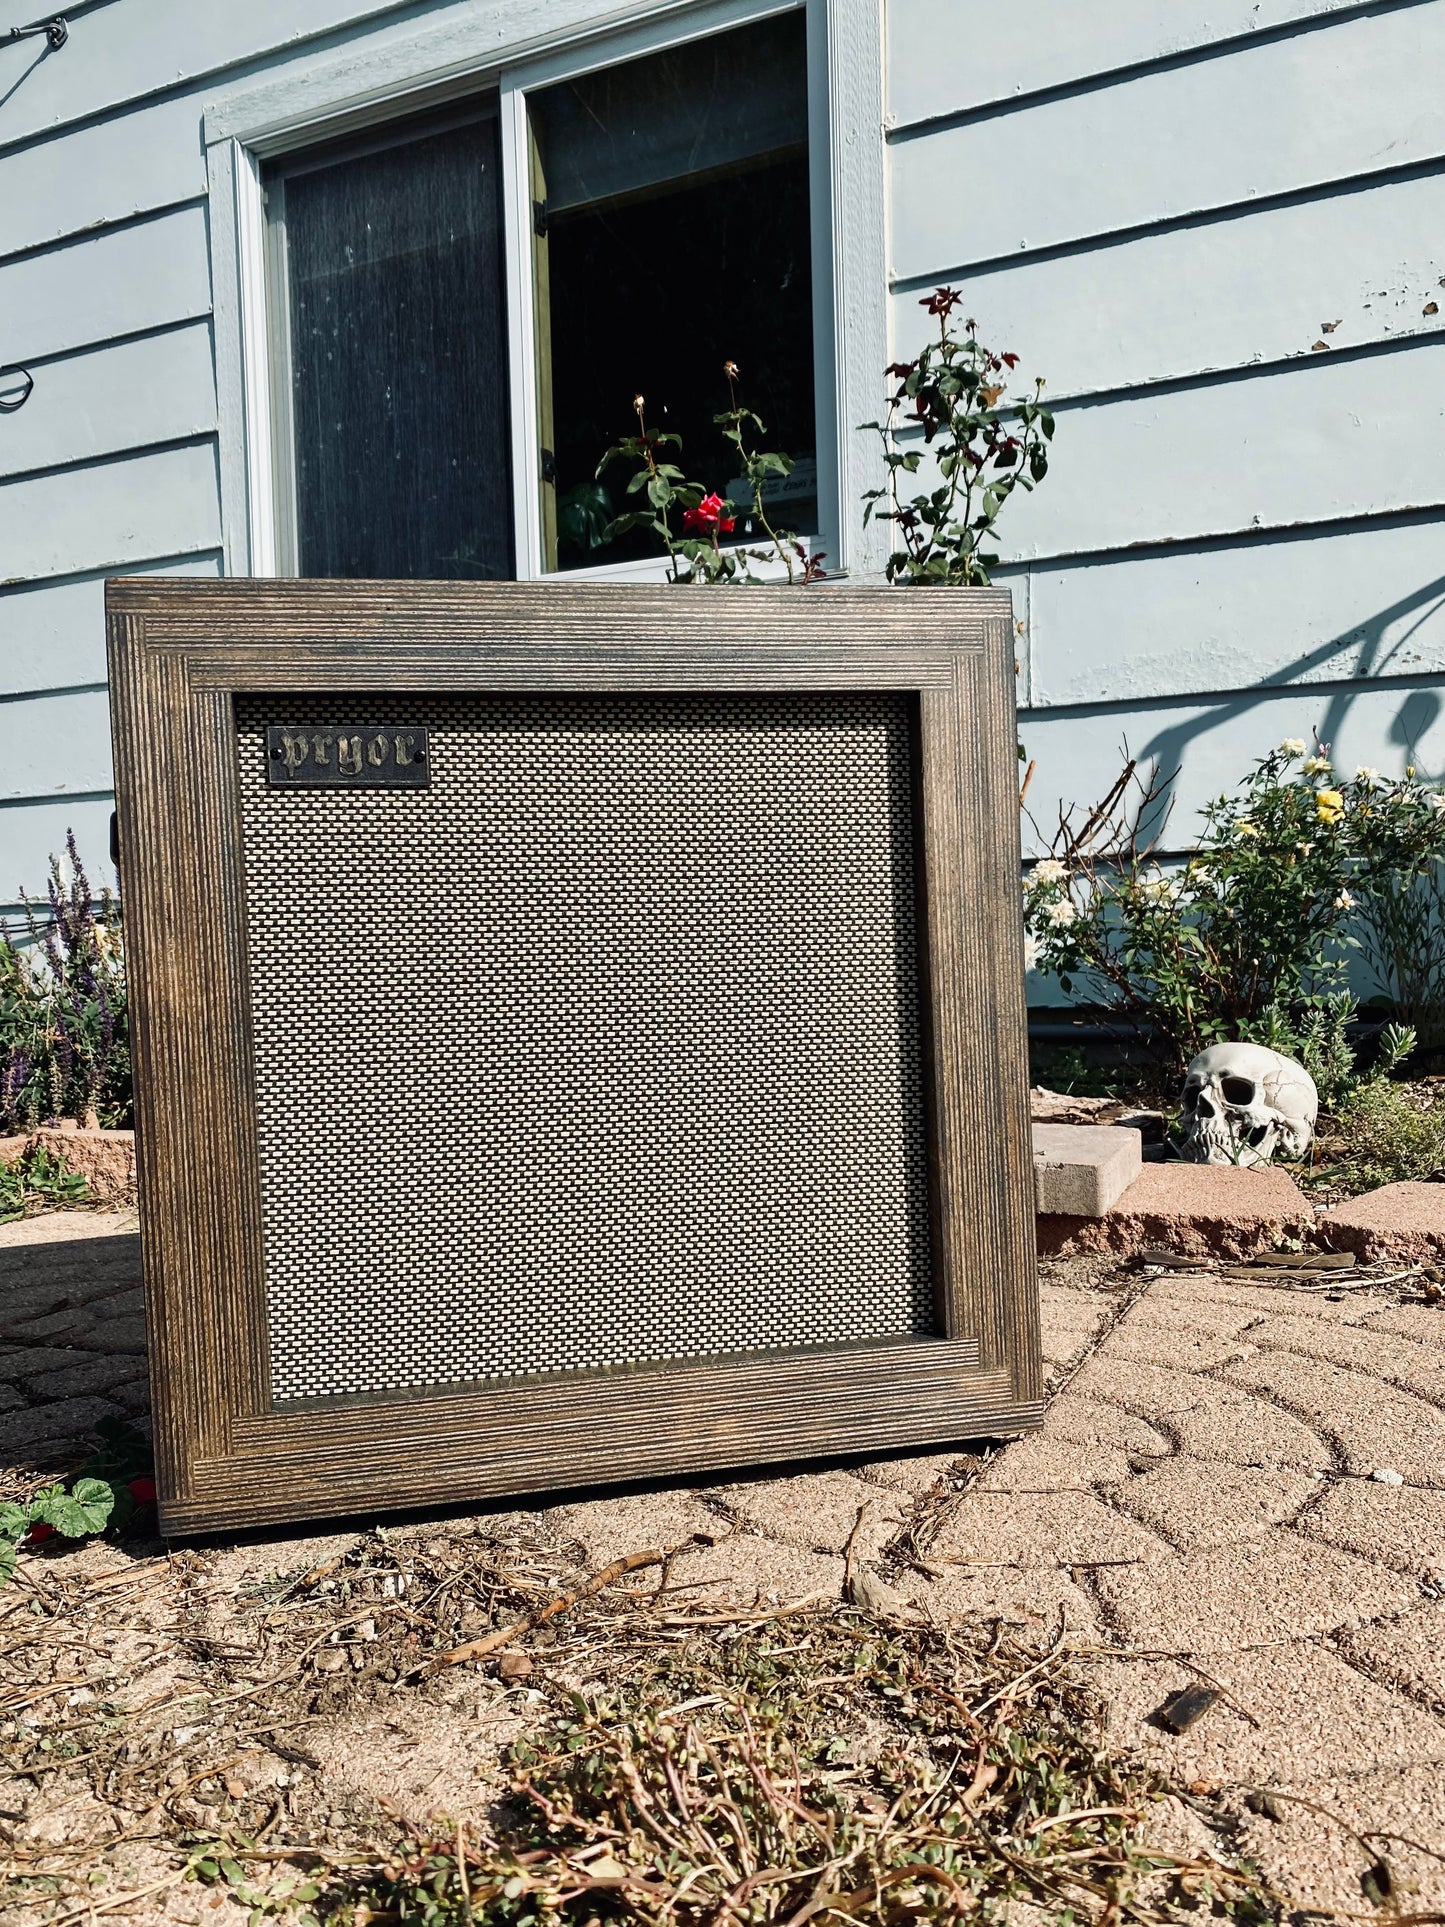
point(1249, 937)
point(98, 1499)
point(83, 1510)
point(695, 550)
point(954, 395)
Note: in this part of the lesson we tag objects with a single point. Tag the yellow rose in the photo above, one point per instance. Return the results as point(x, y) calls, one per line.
point(1329, 805)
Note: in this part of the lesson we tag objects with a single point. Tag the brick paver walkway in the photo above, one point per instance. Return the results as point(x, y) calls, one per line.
point(1200, 1505)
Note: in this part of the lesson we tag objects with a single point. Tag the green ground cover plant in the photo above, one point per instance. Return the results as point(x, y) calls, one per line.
point(38, 1178)
point(104, 1495)
point(828, 1767)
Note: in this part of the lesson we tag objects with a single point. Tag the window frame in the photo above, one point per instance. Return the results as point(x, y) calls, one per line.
point(509, 48)
point(477, 108)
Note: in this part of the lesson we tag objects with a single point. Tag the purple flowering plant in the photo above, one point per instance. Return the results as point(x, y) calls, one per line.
point(64, 1034)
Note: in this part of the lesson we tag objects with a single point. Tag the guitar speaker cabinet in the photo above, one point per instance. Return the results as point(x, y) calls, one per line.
point(578, 1033)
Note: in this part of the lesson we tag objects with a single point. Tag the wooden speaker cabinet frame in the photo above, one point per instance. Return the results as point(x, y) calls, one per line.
point(181, 655)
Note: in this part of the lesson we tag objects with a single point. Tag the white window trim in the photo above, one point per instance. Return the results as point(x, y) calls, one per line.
point(516, 45)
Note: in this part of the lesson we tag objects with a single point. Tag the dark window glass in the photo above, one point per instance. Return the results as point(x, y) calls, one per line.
point(398, 360)
point(674, 235)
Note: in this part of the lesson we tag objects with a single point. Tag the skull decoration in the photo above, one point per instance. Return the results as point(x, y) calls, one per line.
point(1241, 1103)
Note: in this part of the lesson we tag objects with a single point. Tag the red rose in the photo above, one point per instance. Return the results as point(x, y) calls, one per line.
point(143, 1491)
point(40, 1532)
point(708, 518)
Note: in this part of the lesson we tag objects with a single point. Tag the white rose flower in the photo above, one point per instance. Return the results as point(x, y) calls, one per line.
point(1293, 746)
point(1048, 870)
point(1031, 953)
point(1062, 913)
point(1316, 766)
point(1436, 800)
point(1344, 901)
point(1364, 774)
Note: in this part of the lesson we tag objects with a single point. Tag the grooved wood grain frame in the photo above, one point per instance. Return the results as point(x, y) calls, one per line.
point(179, 653)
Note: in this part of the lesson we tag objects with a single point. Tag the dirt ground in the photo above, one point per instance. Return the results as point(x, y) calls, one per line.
point(1202, 1506)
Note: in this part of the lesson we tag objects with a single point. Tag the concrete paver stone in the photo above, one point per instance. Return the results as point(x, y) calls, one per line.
point(819, 1511)
point(1080, 1169)
point(1398, 1526)
point(606, 1528)
point(1207, 1418)
point(1398, 1221)
point(1409, 1651)
point(1423, 1322)
point(1070, 1320)
point(1323, 1842)
point(1417, 1366)
point(1196, 1502)
point(1294, 1713)
point(1059, 1528)
point(1035, 1600)
point(1199, 1210)
point(1043, 1462)
point(71, 1420)
point(1276, 1586)
point(1376, 1425)
point(1088, 1422)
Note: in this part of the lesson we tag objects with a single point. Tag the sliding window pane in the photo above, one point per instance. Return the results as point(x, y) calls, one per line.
point(398, 360)
point(673, 235)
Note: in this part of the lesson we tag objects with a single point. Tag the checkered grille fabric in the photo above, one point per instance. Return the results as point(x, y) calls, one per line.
point(603, 1049)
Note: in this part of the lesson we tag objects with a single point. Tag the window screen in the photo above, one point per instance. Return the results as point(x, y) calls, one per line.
point(390, 283)
point(672, 234)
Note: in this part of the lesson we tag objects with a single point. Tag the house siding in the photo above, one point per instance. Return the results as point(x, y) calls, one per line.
point(1164, 208)
point(1158, 204)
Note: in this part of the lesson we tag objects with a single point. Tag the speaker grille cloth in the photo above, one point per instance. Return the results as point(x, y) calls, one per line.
point(603, 1049)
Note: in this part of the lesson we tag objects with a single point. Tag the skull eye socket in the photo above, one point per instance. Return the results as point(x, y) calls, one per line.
point(1237, 1090)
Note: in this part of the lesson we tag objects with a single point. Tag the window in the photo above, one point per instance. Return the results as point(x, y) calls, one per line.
point(387, 295)
point(667, 231)
point(671, 234)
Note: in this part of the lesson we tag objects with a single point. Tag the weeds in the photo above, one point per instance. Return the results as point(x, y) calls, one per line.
point(103, 1495)
point(38, 1177)
point(1390, 1132)
point(830, 1768)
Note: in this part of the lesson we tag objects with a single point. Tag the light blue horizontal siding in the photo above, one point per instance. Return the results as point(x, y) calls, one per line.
point(110, 514)
point(55, 745)
point(31, 833)
point(1352, 97)
point(1330, 605)
point(111, 170)
point(1347, 267)
point(122, 281)
point(120, 54)
point(1207, 745)
point(112, 399)
point(52, 635)
point(1033, 45)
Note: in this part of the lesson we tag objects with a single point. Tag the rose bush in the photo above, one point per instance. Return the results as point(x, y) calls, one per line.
point(695, 554)
point(1250, 934)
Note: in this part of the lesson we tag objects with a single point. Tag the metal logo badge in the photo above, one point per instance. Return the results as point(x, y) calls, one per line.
point(348, 756)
